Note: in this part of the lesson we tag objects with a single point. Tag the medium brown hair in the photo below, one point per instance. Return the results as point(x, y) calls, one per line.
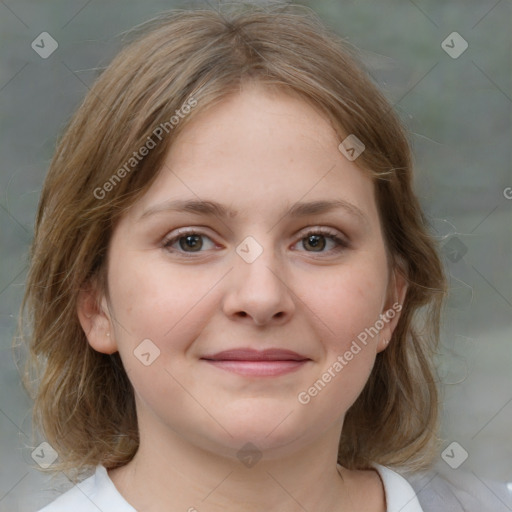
point(84, 401)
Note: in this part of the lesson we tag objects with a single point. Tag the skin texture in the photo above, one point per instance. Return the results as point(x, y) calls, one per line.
point(258, 152)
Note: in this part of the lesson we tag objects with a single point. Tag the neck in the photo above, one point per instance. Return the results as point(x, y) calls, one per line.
point(179, 476)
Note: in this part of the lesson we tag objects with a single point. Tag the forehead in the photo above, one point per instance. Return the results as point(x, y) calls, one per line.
point(257, 151)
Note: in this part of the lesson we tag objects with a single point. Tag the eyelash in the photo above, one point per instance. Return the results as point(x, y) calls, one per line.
point(341, 243)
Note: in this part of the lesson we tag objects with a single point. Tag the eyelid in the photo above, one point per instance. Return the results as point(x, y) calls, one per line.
point(178, 233)
point(341, 240)
point(325, 230)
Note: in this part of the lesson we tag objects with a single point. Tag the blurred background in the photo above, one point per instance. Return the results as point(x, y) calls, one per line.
point(446, 68)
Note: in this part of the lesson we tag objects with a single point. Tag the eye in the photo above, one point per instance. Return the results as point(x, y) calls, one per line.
point(189, 242)
point(316, 239)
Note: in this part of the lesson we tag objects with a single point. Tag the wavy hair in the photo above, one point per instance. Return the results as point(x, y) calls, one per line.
point(84, 402)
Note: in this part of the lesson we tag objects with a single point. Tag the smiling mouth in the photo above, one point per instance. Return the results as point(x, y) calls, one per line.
point(255, 363)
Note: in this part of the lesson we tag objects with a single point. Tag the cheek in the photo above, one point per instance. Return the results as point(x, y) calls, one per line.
point(149, 299)
point(153, 300)
point(348, 300)
point(347, 307)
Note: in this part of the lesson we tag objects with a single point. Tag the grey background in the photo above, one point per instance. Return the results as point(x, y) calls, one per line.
point(459, 114)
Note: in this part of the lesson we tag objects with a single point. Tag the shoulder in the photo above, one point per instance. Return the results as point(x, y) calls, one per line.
point(94, 493)
point(442, 488)
point(400, 495)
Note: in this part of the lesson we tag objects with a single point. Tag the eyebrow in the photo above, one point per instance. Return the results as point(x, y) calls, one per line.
point(215, 209)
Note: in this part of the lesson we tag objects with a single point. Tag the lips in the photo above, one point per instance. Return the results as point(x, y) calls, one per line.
point(257, 363)
point(246, 354)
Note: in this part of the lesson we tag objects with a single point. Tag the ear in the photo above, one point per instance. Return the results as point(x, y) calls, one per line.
point(390, 314)
point(94, 317)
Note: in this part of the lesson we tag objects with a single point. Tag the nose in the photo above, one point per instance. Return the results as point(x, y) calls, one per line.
point(258, 292)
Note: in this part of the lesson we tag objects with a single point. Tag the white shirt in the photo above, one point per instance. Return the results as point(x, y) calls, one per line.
point(98, 492)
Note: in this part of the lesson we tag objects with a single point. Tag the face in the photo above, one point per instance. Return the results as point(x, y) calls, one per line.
point(259, 319)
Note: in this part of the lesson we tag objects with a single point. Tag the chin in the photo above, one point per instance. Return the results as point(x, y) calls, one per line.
point(268, 428)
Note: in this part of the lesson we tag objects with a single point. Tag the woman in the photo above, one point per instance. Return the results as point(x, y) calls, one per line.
point(227, 273)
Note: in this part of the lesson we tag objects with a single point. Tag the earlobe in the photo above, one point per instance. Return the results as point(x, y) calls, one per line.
point(95, 320)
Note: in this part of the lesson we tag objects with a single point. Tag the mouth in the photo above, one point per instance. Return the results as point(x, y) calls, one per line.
point(256, 363)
